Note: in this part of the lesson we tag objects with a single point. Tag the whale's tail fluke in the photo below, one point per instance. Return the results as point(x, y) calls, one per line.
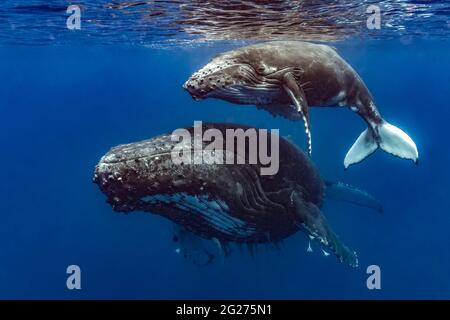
point(386, 136)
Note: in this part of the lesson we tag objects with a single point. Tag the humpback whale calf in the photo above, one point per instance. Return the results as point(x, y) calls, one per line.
point(287, 77)
point(226, 202)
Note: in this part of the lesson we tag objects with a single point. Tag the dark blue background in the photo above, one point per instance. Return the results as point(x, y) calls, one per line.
point(62, 108)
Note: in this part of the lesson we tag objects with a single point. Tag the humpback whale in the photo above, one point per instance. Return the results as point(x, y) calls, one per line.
point(226, 202)
point(287, 77)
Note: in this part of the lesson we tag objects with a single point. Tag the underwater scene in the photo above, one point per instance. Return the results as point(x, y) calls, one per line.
point(234, 149)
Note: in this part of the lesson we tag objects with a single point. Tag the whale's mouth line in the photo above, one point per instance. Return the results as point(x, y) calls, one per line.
point(252, 87)
point(244, 76)
point(259, 94)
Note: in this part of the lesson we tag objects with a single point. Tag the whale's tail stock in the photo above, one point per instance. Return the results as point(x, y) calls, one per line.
point(385, 136)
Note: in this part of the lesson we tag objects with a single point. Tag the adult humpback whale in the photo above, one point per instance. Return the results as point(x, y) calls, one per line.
point(286, 77)
point(226, 202)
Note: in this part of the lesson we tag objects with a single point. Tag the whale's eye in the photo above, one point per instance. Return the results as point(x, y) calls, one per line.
point(297, 72)
point(261, 69)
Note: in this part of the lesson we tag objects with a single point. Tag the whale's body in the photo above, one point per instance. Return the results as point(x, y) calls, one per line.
point(287, 77)
point(224, 202)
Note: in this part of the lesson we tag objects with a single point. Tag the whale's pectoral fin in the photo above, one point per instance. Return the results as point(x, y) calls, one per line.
point(386, 136)
point(298, 98)
point(315, 224)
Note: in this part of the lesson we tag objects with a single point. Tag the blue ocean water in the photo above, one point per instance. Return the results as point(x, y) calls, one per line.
point(64, 102)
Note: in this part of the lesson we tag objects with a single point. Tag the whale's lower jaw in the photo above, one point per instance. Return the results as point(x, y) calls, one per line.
point(209, 218)
point(201, 211)
point(259, 94)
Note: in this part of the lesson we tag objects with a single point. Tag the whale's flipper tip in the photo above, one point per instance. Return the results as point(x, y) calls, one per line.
point(317, 227)
point(389, 138)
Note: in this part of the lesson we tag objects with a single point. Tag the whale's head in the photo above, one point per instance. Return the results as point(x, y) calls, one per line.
point(160, 171)
point(201, 197)
point(128, 173)
point(232, 78)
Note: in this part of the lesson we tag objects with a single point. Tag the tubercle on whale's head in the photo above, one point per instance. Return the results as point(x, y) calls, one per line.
point(127, 173)
point(218, 75)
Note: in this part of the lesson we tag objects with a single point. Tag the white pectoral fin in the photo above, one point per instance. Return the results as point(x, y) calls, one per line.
point(363, 147)
point(395, 141)
point(297, 95)
point(389, 138)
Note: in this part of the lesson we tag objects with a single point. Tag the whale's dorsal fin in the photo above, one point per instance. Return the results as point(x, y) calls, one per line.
point(333, 47)
point(344, 192)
